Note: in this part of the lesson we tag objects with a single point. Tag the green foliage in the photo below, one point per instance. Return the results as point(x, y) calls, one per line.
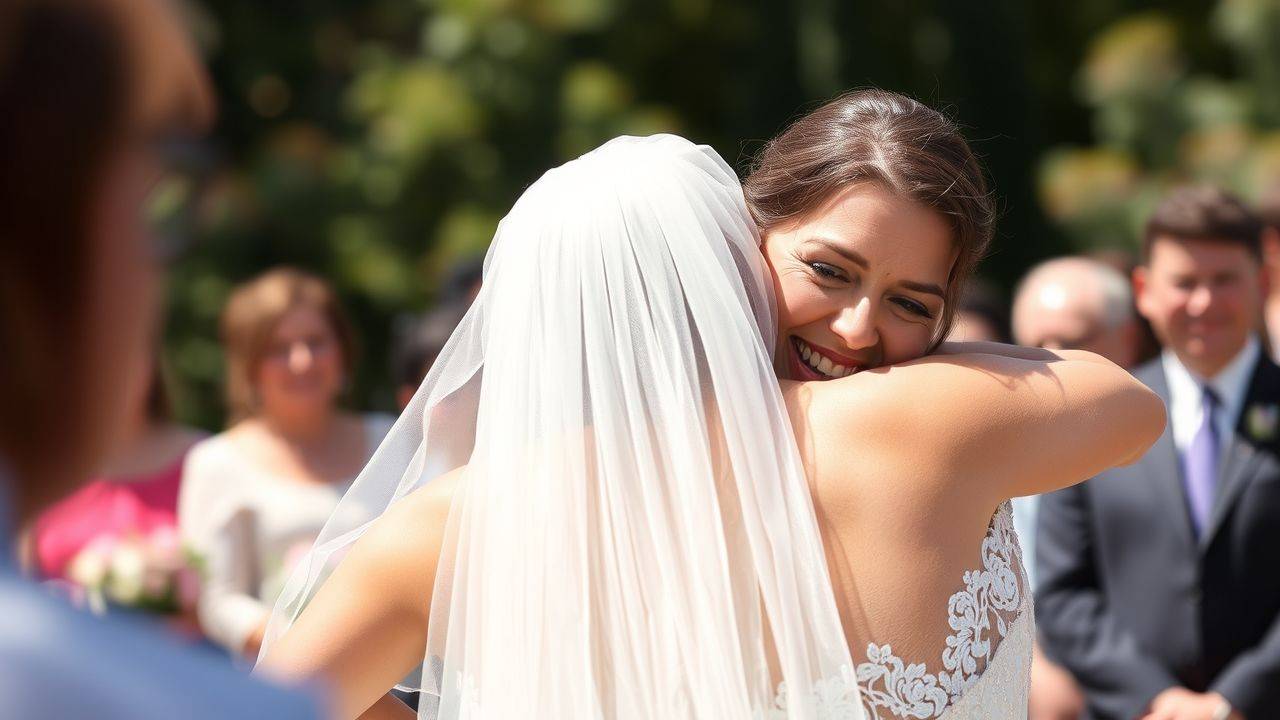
point(1162, 114)
point(378, 142)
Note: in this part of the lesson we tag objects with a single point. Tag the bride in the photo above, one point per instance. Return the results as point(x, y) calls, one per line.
point(602, 504)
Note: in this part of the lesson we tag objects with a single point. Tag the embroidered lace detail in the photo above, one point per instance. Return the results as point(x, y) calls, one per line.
point(980, 617)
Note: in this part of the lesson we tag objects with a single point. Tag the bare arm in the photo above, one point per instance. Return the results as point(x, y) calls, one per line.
point(1019, 422)
point(367, 626)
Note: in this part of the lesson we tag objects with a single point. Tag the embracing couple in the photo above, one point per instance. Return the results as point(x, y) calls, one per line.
point(699, 450)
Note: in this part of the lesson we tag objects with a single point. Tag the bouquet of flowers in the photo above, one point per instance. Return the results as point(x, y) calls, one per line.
point(148, 572)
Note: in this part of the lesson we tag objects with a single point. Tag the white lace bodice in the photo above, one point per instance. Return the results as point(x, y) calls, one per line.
point(985, 671)
point(985, 668)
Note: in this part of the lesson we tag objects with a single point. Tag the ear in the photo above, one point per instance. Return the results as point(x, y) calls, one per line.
point(1141, 281)
point(1271, 246)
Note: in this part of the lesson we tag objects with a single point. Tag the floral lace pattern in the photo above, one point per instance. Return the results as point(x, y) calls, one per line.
point(980, 617)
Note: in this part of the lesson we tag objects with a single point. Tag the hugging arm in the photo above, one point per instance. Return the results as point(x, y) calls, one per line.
point(366, 628)
point(1007, 421)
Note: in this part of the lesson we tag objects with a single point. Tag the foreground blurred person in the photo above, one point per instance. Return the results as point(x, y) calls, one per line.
point(628, 527)
point(1157, 584)
point(86, 90)
point(1074, 303)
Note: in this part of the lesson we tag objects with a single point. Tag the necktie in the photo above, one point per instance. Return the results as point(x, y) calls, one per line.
point(1201, 464)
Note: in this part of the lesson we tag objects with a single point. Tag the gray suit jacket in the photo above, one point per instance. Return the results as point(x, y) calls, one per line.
point(1131, 602)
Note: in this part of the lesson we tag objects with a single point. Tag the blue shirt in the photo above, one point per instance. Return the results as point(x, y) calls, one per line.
point(59, 663)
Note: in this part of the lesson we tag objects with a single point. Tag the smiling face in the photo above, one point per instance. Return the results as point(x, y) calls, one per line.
point(302, 371)
point(1202, 298)
point(860, 283)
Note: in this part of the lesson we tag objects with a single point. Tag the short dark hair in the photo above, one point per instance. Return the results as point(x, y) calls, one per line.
point(1203, 212)
point(419, 341)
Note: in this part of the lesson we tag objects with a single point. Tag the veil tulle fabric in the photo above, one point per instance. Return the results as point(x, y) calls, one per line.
point(632, 536)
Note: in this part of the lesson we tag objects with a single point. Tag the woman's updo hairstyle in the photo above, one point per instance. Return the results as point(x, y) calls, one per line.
point(877, 136)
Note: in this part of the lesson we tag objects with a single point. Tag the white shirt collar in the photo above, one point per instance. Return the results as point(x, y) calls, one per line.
point(1231, 385)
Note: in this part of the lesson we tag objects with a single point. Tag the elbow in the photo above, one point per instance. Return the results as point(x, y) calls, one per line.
point(1147, 419)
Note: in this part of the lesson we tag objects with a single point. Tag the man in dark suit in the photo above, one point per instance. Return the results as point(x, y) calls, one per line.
point(1159, 583)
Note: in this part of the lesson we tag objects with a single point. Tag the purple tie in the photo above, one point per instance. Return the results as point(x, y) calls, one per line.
point(1201, 465)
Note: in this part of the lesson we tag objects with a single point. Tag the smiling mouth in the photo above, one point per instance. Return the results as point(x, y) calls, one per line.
point(820, 364)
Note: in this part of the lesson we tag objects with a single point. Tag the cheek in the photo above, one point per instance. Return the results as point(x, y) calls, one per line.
point(904, 342)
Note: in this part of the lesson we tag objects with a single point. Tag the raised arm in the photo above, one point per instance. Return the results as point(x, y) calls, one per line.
point(1006, 421)
point(367, 626)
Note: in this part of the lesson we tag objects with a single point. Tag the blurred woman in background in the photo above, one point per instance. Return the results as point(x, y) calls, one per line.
point(255, 497)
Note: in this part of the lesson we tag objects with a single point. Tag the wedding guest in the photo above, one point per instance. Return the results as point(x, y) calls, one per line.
point(86, 89)
point(1077, 303)
point(1268, 209)
point(981, 316)
point(255, 496)
point(136, 493)
point(418, 343)
point(1068, 303)
point(1157, 583)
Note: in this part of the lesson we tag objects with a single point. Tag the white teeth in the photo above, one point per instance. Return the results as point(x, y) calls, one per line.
point(820, 363)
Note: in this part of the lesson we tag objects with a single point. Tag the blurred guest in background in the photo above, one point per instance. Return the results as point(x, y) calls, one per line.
point(86, 91)
point(462, 282)
point(134, 503)
point(255, 497)
point(1077, 303)
point(1070, 303)
point(417, 345)
point(1269, 211)
point(1158, 587)
point(981, 317)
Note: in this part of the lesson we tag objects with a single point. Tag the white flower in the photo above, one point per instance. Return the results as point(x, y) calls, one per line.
point(127, 577)
point(90, 566)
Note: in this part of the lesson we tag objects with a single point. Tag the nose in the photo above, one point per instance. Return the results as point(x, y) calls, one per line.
point(856, 325)
point(1200, 300)
point(300, 357)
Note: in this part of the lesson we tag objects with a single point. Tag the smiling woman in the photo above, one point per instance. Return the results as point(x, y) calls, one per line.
point(874, 213)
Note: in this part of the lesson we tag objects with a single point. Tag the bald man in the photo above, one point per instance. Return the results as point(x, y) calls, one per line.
point(1074, 303)
point(1077, 303)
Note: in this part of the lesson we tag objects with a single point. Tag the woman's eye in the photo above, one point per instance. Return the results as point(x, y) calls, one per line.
point(827, 271)
point(913, 307)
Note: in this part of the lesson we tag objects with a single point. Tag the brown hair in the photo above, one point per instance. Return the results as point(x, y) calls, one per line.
point(251, 315)
point(877, 136)
point(79, 83)
point(1203, 212)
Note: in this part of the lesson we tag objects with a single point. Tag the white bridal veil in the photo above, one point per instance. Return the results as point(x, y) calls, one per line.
point(632, 536)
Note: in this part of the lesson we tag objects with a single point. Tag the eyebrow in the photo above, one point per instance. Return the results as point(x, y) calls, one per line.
point(856, 258)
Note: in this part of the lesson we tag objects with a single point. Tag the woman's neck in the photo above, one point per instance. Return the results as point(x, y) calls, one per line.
point(302, 429)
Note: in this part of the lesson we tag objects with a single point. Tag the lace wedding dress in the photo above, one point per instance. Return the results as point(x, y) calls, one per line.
point(983, 672)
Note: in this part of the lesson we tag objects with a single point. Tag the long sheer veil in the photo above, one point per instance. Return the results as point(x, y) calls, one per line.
point(632, 536)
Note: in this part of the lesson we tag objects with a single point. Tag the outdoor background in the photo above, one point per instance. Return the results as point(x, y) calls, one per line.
point(378, 142)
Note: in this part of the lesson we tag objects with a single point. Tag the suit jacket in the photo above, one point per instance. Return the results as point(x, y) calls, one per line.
point(1132, 602)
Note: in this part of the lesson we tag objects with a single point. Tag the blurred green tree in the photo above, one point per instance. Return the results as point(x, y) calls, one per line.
point(1171, 101)
point(378, 142)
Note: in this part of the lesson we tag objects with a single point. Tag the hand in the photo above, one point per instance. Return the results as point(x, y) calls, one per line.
point(1178, 703)
point(253, 643)
point(1054, 693)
